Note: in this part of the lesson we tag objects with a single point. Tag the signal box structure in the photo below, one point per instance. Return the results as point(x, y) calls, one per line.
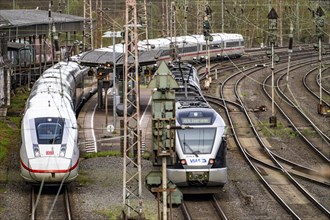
point(163, 133)
point(163, 112)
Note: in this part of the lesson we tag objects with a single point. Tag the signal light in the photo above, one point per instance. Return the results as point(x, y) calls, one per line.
point(90, 72)
point(107, 65)
point(102, 72)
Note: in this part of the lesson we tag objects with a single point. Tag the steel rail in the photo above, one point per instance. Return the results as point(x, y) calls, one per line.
point(292, 123)
point(322, 134)
point(317, 82)
point(288, 175)
point(237, 141)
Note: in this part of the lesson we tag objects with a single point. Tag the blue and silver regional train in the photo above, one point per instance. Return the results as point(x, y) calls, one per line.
point(200, 144)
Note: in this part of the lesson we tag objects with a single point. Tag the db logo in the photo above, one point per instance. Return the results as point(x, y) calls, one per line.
point(49, 152)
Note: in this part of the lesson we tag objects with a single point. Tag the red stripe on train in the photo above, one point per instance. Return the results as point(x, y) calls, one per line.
point(50, 171)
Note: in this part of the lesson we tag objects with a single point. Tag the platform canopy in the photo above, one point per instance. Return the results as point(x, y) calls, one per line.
point(24, 23)
point(101, 56)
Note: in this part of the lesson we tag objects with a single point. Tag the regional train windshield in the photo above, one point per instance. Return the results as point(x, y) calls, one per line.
point(197, 140)
point(49, 130)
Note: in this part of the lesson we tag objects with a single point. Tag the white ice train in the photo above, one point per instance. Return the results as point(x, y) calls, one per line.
point(201, 147)
point(194, 47)
point(49, 151)
point(190, 47)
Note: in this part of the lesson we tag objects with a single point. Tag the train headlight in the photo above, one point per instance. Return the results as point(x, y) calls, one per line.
point(36, 150)
point(183, 162)
point(211, 161)
point(63, 150)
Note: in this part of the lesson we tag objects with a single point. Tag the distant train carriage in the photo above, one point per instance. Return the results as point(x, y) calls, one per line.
point(194, 47)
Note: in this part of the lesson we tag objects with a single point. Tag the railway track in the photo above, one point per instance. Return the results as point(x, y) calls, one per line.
point(50, 203)
point(202, 208)
point(274, 176)
point(292, 167)
point(312, 84)
point(264, 162)
point(298, 118)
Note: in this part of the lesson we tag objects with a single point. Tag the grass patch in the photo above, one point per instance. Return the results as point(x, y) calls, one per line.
point(146, 155)
point(116, 153)
point(9, 127)
point(326, 98)
point(2, 209)
point(279, 131)
point(101, 154)
point(308, 132)
point(83, 179)
point(2, 190)
point(244, 94)
point(143, 86)
point(112, 214)
point(18, 101)
point(4, 139)
point(3, 152)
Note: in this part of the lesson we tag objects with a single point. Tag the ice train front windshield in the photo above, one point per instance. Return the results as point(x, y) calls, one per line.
point(49, 130)
point(196, 140)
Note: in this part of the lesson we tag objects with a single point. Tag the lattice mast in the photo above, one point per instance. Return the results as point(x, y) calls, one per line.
point(163, 18)
point(173, 31)
point(145, 21)
point(200, 16)
point(132, 180)
point(88, 26)
point(99, 24)
point(173, 21)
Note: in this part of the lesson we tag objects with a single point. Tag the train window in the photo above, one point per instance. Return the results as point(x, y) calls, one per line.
point(188, 49)
point(232, 44)
point(215, 46)
point(166, 52)
point(49, 130)
point(197, 140)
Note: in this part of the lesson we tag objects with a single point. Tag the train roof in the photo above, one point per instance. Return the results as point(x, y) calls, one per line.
point(158, 46)
point(101, 56)
point(48, 105)
point(164, 43)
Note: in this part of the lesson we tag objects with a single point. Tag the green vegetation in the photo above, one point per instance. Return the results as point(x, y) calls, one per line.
point(279, 131)
point(247, 17)
point(112, 153)
point(308, 132)
point(115, 211)
point(18, 102)
point(83, 179)
point(101, 154)
point(112, 214)
point(9, 127)
point(244, 94)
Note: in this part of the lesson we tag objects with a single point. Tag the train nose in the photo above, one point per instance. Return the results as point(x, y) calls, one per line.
point(51, 169)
